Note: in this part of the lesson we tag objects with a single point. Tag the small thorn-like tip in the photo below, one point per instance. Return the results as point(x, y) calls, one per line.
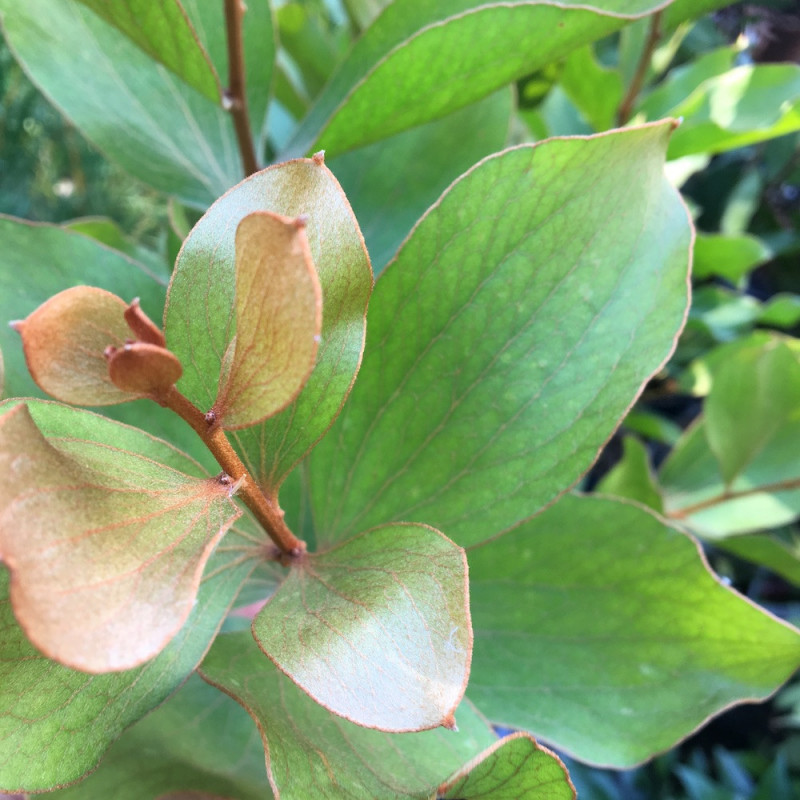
point(227, 100)
point(319, 158)
point(449, 722)
point(16, 325)
point(109, 351)
point(301, 221)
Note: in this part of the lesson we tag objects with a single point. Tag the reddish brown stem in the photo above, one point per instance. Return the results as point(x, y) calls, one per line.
point(235, 98)
point(265, 510)
point(780, 486)
point(653, 35)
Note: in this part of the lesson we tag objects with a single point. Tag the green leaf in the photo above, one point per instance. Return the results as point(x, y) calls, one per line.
point(119, 538)
point(632, 478)
point(136, 112)
point(393, 182)
point(418, 62)
point(474, 406)
point(633, 642)
point(768, 551)
point(735, 471)
point(278, 304)
point(311, 753)
point(376, 630)
point(199, 316)
point(748, 104)
point(200, 741)
point(165, 33)
point(55, 723)
point(752, 410)
point(594, 89)
point(513, 768)
point(782, 311)
point(729, 257)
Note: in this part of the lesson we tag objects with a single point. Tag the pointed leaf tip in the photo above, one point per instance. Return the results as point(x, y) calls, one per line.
point(278, 304)
point(105, 546)
point(319, 158)
point(378, 629)
point(142, 326)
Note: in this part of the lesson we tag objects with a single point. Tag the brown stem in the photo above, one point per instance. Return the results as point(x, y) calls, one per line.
point(265, 510)
point(780, 486)
point(235, 96)
point(653, 35)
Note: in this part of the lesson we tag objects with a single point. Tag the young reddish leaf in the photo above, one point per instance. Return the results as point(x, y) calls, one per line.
point(142, 368)
point(200, 319)
point(106, 548)
point(378, 629)
point(163, 30)
point(278, 318)
point(64, 341)
point(511, 768)
point(312, 753)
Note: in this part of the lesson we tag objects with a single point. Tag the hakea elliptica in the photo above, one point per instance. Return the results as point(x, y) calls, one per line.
point(107, 545)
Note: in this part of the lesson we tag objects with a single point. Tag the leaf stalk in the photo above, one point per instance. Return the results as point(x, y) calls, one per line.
point(266, 510)
point(653, 37)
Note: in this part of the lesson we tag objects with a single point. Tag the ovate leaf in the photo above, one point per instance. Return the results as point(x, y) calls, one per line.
point(200, 313)
point(64, 341)
point(516, 767)
point(311, 753)
point(199, 745)
point(278, 317)
point(165, 33)
point(633, 642)
point(632, 477)
point(377, 630)
point(475, 405)
point(55, 722)
point(106, 547)
point(418, 61)
point(134, 110)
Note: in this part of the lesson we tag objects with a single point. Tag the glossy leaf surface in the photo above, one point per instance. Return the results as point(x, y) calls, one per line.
point(474, 407)
point(312, 753)
point(200, 745)
point(99, 534)
point(418, 61)
point(133, 109)
point(164, 32)
point(377, 630)
point(278, 318)
point(199, 317)
point(635, 644)
point(515, 767)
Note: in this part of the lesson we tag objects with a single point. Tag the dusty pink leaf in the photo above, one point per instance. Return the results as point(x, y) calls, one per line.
point(64, 340)
point(278, 319)
point(106, 547)
point(378, 629)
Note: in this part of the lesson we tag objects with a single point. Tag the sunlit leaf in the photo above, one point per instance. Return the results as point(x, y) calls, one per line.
point(55, 723)
point(312, 753)
point(278, 317)
point(474, 406)
point(418, 61)
point(199, 745)
point(515, 767)
point(106, 547)
point(632, 477)
point(730, 257)
point(770, 551)
point(633, 642)
point(377, 630)
point(200, 320)
point(164, 32)
point(135, 111)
